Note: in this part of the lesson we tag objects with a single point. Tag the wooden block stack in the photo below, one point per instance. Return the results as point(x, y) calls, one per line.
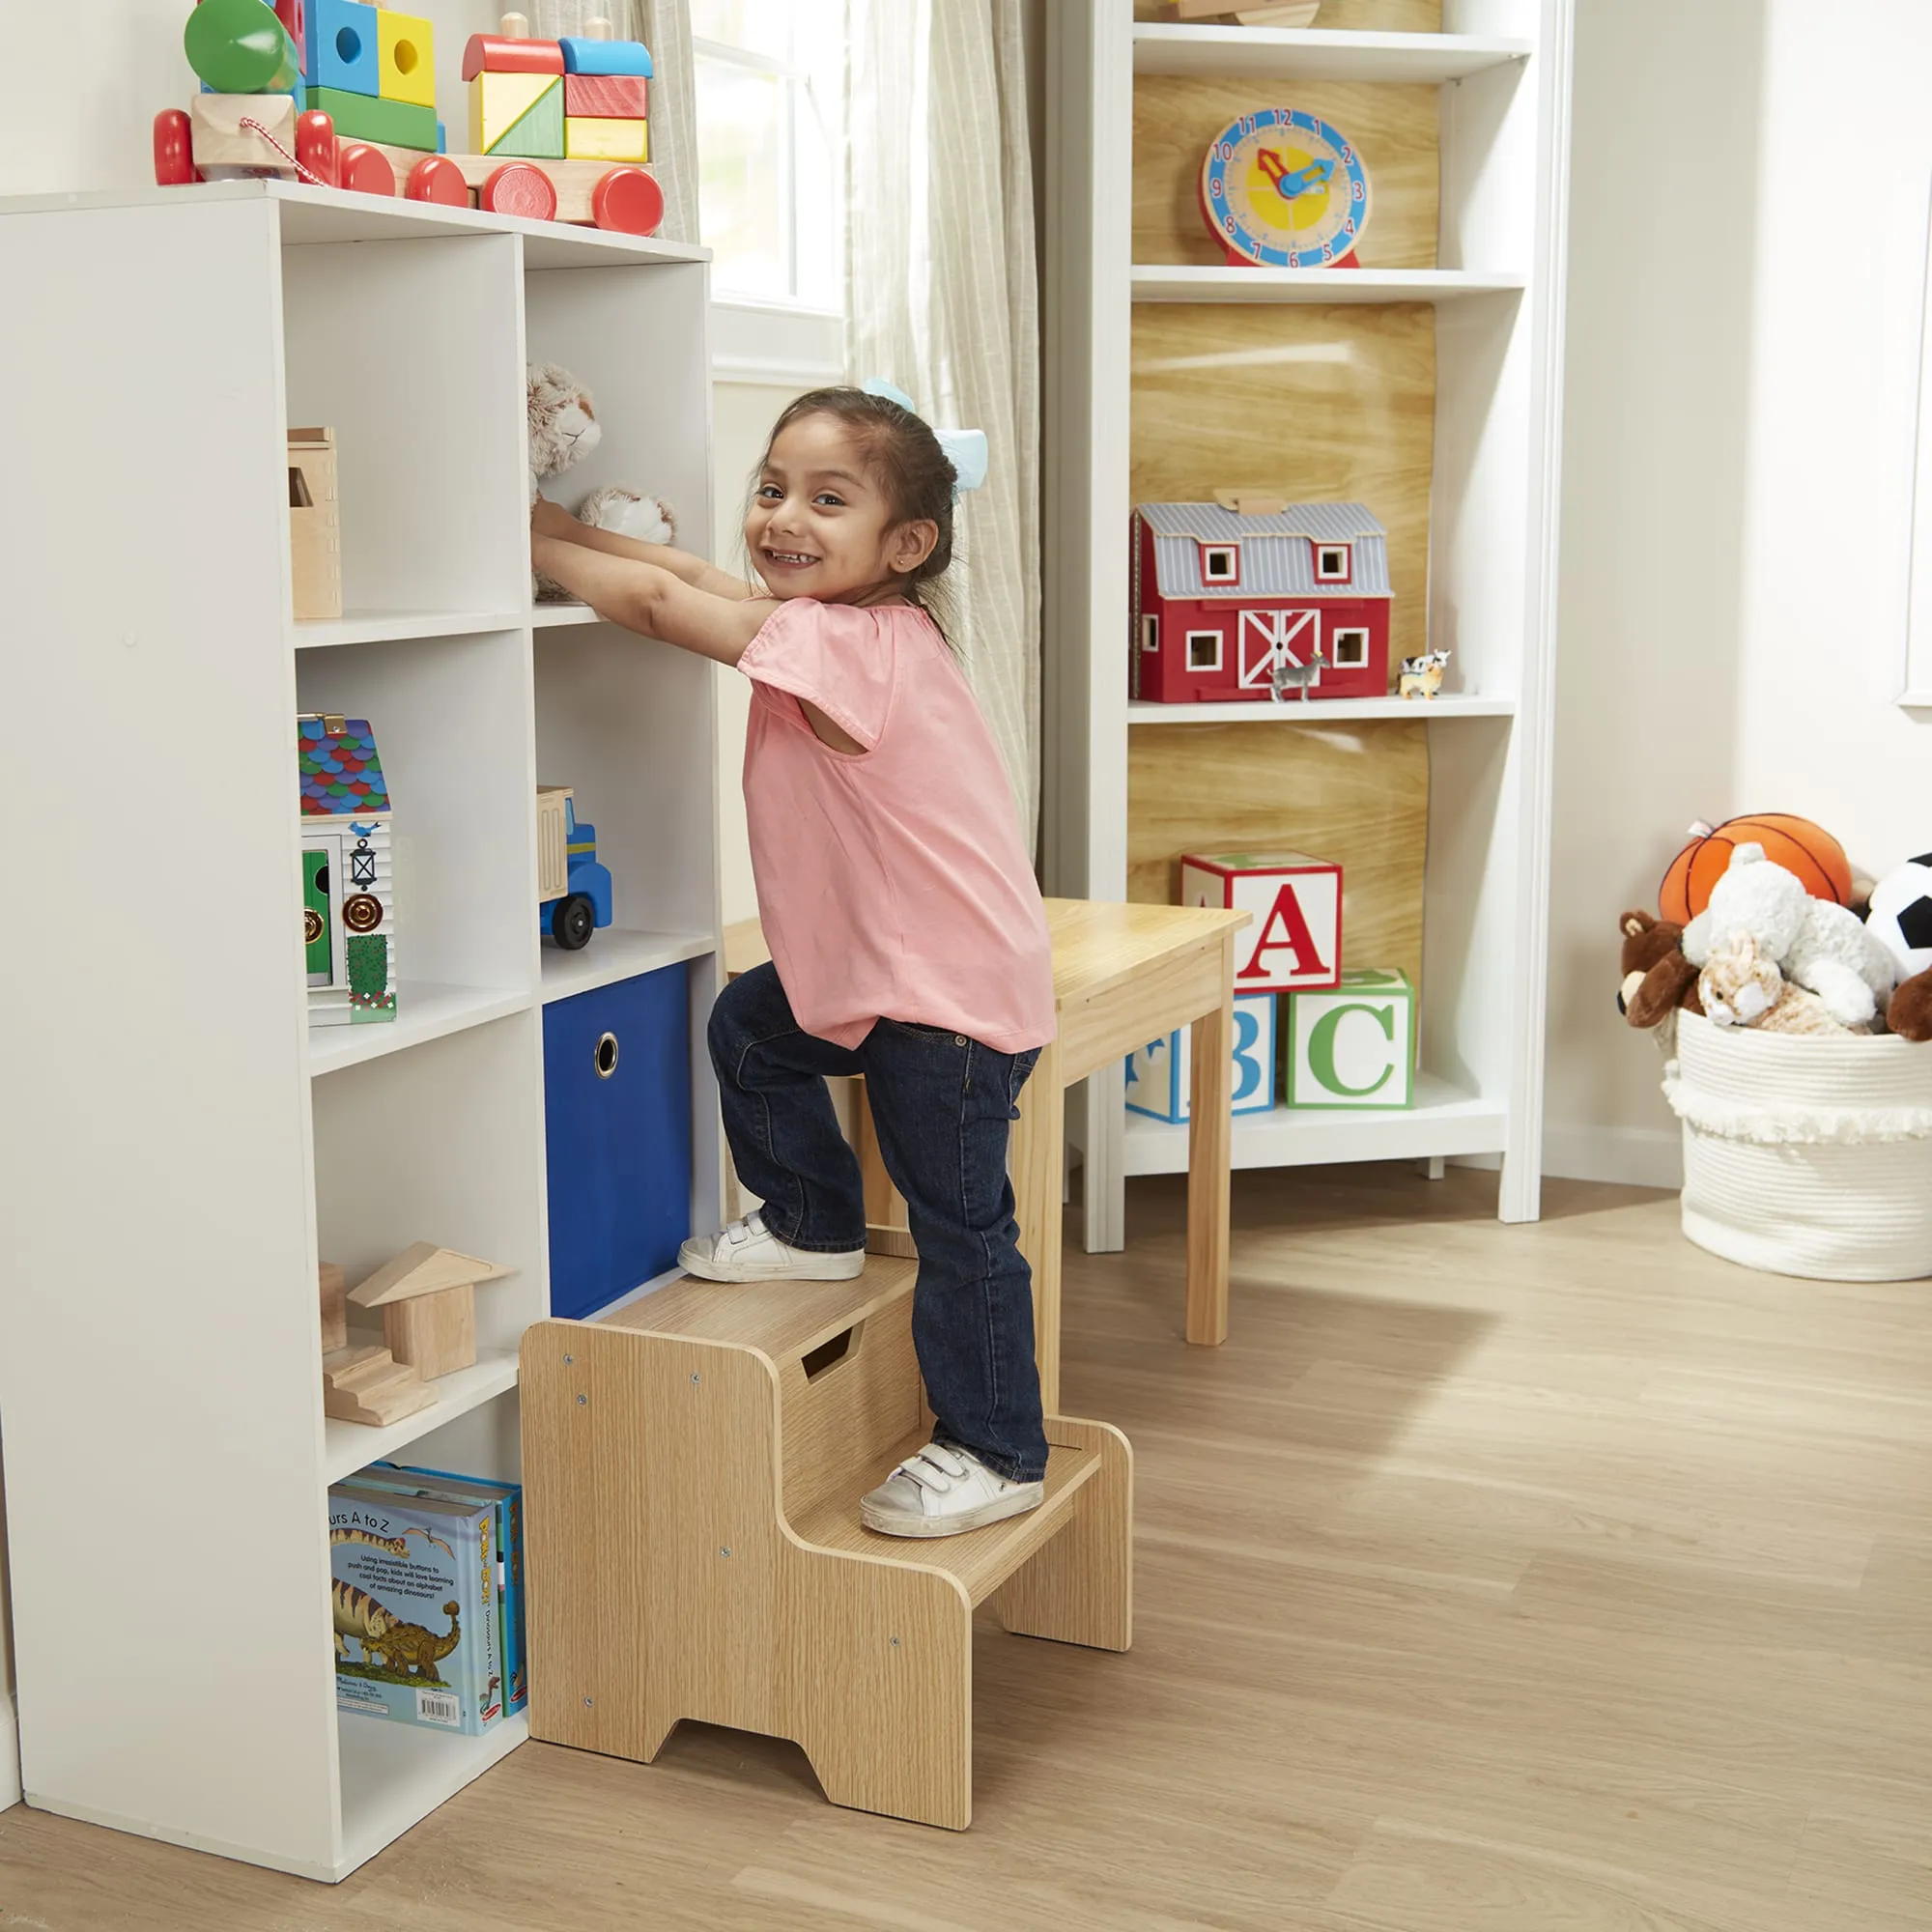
point(578, 99)
point(372, 70)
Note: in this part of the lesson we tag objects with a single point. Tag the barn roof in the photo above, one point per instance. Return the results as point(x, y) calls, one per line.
point(1277, 555)
point(341, 775)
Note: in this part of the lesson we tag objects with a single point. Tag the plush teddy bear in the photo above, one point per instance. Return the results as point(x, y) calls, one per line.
point(1819, 945)
point(1656, 978)
point(1739, 986)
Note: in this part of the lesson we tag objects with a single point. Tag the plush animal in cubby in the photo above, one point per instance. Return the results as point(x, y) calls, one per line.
point(563, 430)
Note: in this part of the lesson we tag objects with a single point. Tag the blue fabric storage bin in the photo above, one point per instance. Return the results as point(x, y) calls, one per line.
point(617, 1125)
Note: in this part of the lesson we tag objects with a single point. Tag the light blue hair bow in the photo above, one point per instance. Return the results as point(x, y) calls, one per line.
point(965, 448)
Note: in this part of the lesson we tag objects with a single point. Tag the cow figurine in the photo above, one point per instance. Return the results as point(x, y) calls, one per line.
point(1422, 677)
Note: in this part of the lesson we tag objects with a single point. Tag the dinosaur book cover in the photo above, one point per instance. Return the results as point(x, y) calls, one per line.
point(419, 1636)
point(450, 1486)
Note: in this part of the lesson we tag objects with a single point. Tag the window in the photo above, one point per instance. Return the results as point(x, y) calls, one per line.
point(1151, 632)
point(1331, 563)
point(1350, 649)
point(1204, 650)
point(766, 73)
point(1220, 563)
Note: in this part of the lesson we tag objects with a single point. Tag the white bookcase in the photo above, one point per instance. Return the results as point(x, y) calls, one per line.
point(1502, 70)
point(179, 1148)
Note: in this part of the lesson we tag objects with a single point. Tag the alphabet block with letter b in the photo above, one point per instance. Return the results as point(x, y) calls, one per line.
point(1296, 940)
point(1160, 1074)
point(1353, 1045)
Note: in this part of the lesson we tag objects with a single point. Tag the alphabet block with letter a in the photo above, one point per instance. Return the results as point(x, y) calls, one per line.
point(1353, 1046)
point(1295, 941)
point(1160, 1073)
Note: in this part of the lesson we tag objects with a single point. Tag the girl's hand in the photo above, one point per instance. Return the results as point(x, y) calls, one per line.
point(552, 519)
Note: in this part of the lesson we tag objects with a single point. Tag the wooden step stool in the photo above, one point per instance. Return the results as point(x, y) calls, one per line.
point(693, 1465)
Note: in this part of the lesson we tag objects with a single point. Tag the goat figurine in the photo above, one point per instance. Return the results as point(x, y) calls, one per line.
point(1285, 675)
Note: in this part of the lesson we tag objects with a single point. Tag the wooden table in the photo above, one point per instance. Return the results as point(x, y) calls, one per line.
point(1123, 975)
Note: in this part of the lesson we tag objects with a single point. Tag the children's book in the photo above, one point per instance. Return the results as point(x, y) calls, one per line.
point(417, 1623)
point(509, 1500)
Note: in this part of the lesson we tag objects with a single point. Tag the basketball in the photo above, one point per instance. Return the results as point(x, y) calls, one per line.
point(1797, 844)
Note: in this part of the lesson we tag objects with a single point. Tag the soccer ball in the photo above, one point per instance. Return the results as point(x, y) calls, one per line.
point(1901, 915)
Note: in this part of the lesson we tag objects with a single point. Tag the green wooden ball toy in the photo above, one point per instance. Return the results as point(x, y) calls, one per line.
point(239, 47)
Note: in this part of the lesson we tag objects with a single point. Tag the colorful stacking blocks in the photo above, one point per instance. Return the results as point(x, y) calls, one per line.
point(572, 99)
point(1160, 1073)
point(241, 46)
point(372, 70)
point(1296, 940)
point(1352, 1045)
point(344, 47)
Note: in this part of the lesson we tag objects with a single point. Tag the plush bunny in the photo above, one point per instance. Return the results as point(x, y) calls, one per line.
point(1818, 944)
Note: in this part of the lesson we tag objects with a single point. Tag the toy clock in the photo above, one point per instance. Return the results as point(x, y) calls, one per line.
point(1283, 189)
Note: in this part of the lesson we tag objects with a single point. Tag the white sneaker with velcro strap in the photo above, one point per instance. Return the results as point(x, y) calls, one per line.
point(944, 1492)
point(749, 1251)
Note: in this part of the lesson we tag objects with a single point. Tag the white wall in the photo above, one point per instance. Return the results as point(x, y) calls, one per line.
point(1741, 383)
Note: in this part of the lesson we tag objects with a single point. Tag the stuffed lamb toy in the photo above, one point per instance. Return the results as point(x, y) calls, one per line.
point(1823, 946)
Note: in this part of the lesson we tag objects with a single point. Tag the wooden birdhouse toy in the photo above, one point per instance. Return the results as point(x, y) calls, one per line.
point(1252, 598)
point(348, 912)
point(428, 1298)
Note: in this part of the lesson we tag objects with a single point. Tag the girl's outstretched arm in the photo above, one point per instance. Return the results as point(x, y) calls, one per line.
point(649, 599)
point(553, 519)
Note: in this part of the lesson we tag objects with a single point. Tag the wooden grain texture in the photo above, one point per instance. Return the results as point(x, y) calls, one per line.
point(1358, 794)
point(1392, 128)
point(1317, 404)
point(332, 1289)
point(1036, 1163)
point(1543, 1579)
point(435, 1334)
point(1209, 1137)
point(1080, 1588)
point(695, 1552)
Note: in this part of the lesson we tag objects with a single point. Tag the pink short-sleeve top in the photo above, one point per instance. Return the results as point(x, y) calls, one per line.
point(892, 882)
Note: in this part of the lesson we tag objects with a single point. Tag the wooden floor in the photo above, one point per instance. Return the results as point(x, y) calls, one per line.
point(1545, 1578)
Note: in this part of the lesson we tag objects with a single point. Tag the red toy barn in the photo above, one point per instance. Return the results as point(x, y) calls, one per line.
point(1231, 606)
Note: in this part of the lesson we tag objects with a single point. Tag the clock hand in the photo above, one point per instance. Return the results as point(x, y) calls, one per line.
point(1291, 186)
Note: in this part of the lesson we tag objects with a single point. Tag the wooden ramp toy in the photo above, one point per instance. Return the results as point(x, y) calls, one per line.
point(693, 1465)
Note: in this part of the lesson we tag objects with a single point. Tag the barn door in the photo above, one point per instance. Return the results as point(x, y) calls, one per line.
point(1292, 633)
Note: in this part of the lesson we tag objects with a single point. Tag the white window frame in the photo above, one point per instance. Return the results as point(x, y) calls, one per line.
point(1150, 632)
point(794, 81)
point(1335, 637)
point(1232, 552)
point(1220, 640)
point(1342, 576)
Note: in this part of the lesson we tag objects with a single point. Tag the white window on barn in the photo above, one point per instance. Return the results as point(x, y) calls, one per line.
point(1331, 563)
point(1204, 650)
point(1151, 632)
point(1220, 563)
point(1350, 649)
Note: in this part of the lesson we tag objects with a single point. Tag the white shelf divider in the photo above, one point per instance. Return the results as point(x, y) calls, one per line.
point(1325, 711)
point(383, 627)
point(423, 1013)
point(1445, 1119)
point(1277, 53)
point(1162, 283)
point(348, 1446)
point(548, 616)
point(615, 955)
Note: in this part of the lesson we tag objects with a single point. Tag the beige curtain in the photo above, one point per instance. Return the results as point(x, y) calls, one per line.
point(942, 300)
point(665, 27)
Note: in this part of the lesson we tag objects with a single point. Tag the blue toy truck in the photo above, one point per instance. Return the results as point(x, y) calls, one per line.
point(573, 889)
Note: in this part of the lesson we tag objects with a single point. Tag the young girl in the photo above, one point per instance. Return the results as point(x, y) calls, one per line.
point(907, 935)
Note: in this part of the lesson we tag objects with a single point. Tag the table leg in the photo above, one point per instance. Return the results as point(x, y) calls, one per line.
point(1210, 1151)
point(1036, 1162)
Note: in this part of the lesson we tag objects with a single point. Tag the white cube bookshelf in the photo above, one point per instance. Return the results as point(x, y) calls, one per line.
point(1502, 68)
point(179, 1147)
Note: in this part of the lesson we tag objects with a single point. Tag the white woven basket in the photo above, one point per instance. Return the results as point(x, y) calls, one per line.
point(1805, 1156)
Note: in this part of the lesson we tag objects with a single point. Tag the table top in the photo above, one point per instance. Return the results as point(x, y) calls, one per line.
point(1097, 944)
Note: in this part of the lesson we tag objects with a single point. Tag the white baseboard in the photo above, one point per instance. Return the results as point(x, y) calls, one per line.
point(1627, 1156)
point(10, 1752)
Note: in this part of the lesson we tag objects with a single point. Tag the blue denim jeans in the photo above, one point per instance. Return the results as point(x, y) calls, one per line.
point(943, 1106)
